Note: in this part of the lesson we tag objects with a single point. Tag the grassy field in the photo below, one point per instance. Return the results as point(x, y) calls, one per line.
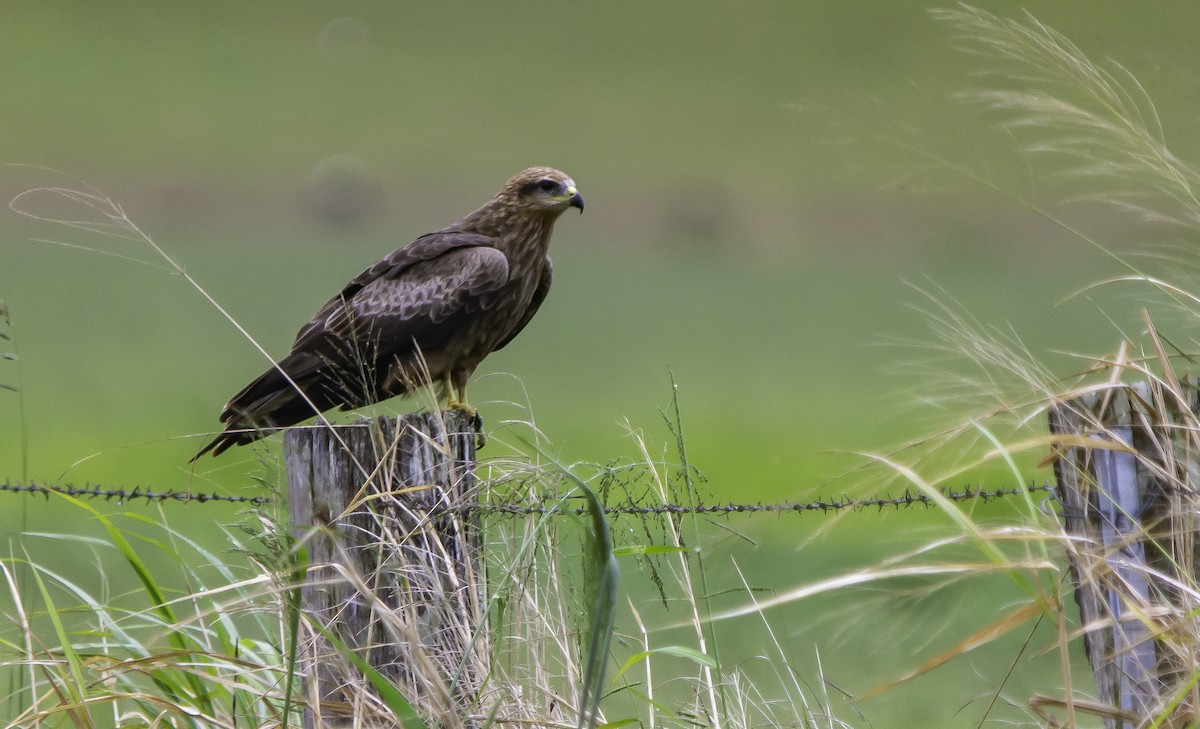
point(766, 202)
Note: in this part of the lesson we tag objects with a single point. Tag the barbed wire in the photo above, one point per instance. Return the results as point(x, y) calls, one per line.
point(121, 495)
point(906, 500)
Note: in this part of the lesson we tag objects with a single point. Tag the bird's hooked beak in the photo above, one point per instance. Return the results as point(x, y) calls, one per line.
point(574, 199)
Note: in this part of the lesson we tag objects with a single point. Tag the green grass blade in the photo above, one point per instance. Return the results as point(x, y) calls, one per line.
point(678, 651)
point(602, 577)
point(645, 550)
point(601, 566)
point(292, 606)
point(76, 687)
point(158, 601)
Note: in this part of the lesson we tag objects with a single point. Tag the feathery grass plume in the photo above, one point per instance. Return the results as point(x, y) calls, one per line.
point(1097, 124)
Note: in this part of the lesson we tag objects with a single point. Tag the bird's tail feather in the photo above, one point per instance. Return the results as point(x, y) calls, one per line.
point(272, 401)
point(313, 384)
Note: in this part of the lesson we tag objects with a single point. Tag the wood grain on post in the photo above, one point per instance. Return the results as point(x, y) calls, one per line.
point(1127, 470)
point(390, 573)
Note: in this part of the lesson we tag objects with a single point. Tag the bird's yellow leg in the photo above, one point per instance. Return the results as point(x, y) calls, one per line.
point(456, 399)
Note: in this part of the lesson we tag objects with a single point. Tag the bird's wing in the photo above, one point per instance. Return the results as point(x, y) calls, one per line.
point(539, 295)
point(419, 303)
point(392, 267)
point(411, 297)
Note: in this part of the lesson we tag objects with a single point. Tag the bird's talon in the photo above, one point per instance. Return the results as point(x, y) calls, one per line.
point(469, 412)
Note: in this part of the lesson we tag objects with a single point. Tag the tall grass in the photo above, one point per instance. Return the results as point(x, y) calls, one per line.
point(207, 641)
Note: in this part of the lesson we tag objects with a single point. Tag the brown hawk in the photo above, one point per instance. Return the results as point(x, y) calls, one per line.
point(427, 313)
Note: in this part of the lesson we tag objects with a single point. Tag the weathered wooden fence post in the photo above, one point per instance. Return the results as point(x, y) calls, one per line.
point(1128, 471)
point(391, 573)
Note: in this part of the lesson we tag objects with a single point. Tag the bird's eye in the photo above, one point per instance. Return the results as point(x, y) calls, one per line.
point(547, 185)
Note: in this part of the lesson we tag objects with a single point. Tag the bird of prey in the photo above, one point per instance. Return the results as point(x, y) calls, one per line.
point(427, 313)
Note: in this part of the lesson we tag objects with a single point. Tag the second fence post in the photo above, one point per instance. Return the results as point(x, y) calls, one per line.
point(1127, 466)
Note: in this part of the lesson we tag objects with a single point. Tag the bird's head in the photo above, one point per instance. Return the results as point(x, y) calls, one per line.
point(543, 189)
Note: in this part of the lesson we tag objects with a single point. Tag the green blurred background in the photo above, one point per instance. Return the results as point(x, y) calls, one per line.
point(754, 211)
